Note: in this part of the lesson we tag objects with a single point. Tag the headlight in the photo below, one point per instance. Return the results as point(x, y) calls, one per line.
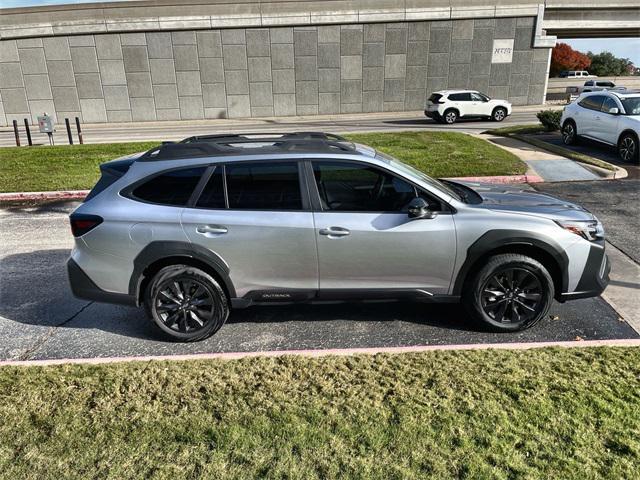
point(588, 229)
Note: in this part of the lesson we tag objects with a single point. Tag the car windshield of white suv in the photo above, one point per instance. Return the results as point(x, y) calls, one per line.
point(631, 105)
point(412, 172)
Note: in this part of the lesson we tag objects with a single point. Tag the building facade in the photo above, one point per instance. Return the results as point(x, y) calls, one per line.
point(203, 73)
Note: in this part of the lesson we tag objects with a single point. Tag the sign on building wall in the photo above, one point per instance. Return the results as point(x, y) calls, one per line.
point(502, 51)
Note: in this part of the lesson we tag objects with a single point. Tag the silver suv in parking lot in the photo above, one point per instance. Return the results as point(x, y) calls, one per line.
point(193, 229)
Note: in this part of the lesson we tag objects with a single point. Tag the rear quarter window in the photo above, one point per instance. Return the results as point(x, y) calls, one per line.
point(173, 188)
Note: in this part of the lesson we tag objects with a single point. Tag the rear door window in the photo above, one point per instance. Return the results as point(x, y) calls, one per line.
point(170, 188)
point(592, 102)
point(264, 186)
point(460, 97)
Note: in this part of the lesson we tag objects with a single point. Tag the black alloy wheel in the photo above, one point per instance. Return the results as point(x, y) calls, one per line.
point(510, 292)
point(186, 303)
point(513, 296)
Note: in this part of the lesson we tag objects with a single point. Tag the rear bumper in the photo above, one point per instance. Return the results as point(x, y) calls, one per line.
point(432, 114)
point(83, 287)
point(595, 276)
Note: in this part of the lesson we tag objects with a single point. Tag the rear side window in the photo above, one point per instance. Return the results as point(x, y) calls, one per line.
point(264, 186)
point(170, 188)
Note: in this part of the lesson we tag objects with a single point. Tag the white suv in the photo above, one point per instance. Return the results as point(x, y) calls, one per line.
point(447, 106)
point(610, 117)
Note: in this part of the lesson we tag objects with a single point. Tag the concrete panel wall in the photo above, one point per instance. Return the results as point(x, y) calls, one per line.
point(231, 73)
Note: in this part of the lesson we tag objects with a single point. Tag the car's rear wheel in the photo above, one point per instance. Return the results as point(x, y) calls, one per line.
point(186, 303)
point(569, 133)
point(450, 117)
point(499, 114)
point(628, 147)
point(511, 292)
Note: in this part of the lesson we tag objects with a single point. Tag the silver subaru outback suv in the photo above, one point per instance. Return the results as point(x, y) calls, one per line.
point(193, 229)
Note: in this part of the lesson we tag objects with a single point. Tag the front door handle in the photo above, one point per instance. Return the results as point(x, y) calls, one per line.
point(335, 232)
point(212, 230)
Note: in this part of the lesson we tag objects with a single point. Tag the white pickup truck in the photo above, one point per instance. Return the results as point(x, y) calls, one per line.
point(593, 86)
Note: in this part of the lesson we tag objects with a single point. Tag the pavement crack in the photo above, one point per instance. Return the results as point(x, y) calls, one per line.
point(27, 354)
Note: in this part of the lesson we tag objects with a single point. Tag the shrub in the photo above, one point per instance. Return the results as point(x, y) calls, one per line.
point(550, 119)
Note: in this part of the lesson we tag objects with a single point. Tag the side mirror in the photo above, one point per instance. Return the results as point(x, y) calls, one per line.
point(614, 111)
point(419, 208)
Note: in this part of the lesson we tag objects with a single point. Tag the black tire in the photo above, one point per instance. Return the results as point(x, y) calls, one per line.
point(509, 293)
point(499, 114)
point(569, 133)
point(628, 147)
point(172, 298)
point(450, 116)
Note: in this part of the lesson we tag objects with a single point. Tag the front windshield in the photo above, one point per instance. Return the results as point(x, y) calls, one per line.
point(631, 105)
point(415, 173)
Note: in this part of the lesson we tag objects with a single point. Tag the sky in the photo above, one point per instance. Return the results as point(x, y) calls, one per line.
point(620, 47)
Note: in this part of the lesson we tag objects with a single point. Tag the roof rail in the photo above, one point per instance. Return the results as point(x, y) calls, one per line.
point(243, 145)
point(265, 136)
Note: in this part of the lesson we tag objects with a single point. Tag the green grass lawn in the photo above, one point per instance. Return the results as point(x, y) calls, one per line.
point(440, 154)
point(62, 167)
point(538, 414)
point(445, 154)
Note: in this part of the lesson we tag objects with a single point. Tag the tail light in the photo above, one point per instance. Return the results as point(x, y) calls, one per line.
point(81, 223)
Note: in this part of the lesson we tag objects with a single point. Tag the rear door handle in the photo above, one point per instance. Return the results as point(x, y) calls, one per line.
point(212, 230)
point(335, 232)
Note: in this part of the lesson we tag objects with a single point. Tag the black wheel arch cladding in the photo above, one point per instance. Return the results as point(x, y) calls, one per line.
point(500, 241)
point(159, 251)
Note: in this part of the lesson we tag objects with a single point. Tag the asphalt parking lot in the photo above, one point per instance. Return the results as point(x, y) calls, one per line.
point(39, 318)
point(615, 202)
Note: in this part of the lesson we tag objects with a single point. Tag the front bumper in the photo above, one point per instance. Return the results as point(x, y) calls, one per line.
point(83, 287)
point(595, 276)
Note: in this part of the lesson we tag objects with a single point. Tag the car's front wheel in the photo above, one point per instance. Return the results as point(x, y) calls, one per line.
point(510, 292)
point(569, 133)
point(628, 147)
point(499, 114)
point(186, 303)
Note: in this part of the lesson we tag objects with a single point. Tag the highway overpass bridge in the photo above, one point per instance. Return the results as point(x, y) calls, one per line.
point(198, 59)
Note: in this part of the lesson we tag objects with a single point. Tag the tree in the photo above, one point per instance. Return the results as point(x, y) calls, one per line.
point(606, 64)
point(563, 57)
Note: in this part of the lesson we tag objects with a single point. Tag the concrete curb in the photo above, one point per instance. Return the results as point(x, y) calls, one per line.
point(328, 352)
point(502, 179)
point(56, 195)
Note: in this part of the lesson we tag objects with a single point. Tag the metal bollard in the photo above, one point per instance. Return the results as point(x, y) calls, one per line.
point(79, 131)
point(16, 133)
point(66, 122)
point(26, 127)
